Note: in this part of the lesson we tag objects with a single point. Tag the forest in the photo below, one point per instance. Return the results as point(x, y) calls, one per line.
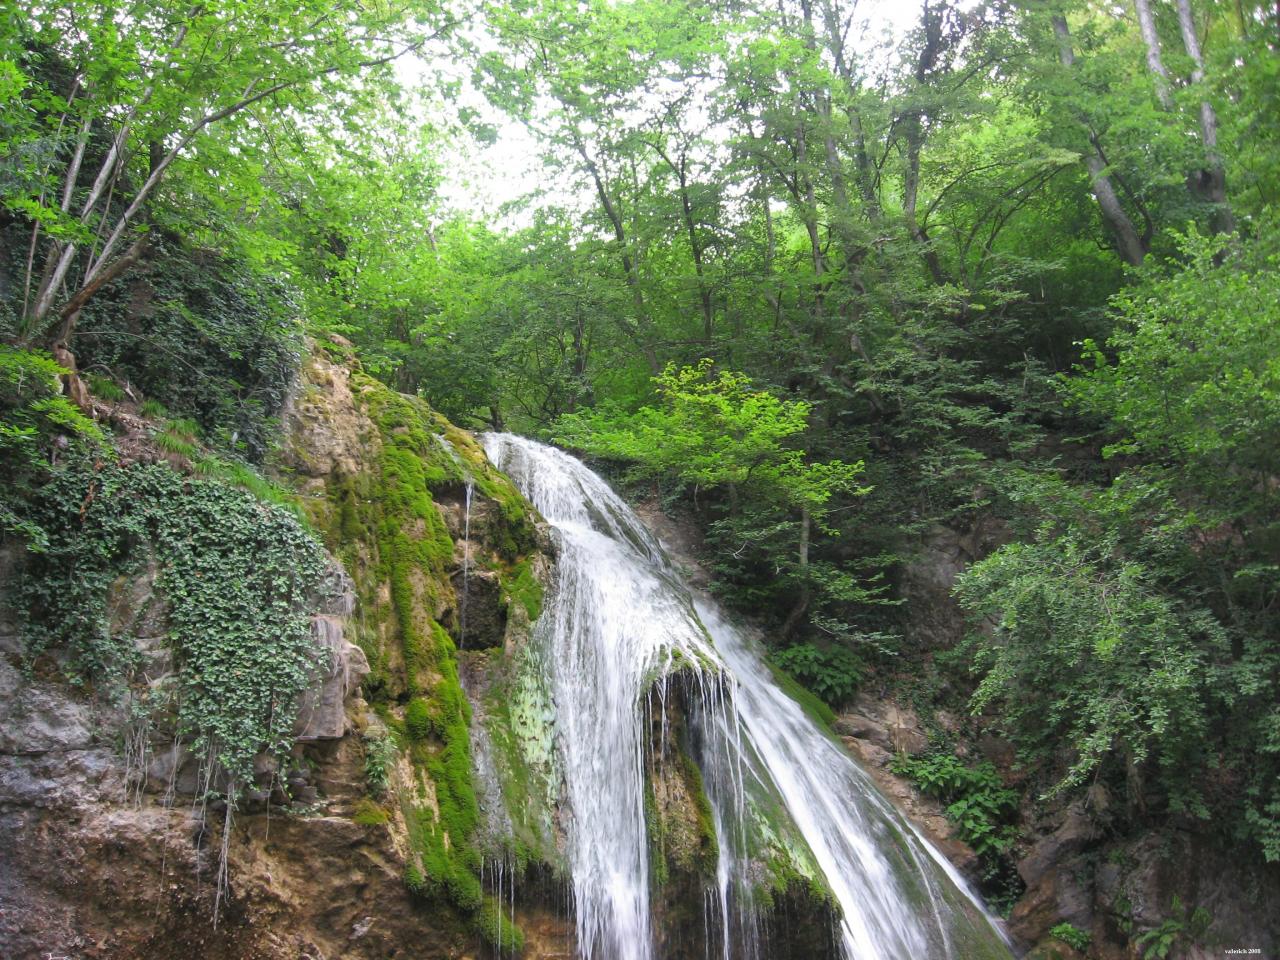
point(830, 290)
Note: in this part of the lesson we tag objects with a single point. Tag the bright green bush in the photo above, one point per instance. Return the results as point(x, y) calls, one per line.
point(379, 758)
point(978, 802)
point(1072, 936)
point(832, 673)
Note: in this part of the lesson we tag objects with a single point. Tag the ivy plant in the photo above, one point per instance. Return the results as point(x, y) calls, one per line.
point(237, 576)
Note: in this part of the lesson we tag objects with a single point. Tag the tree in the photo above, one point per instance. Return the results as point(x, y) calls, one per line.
point(122, 94)
point(714, 431)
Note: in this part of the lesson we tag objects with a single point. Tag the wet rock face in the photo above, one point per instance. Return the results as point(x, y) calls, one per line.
point(482, 609)
point(875, 731)
point(322, 712)
point(95, 863)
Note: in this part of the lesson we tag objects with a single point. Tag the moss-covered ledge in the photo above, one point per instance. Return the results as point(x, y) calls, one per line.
point(386, 479)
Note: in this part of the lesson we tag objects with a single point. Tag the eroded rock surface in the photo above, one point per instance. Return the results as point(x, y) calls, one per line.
point(107, 850)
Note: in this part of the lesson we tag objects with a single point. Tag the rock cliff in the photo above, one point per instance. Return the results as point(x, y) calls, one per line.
point(363, 839)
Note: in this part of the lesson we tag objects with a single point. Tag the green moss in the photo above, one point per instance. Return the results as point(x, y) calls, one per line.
point(520, 719)
point(443, 839)
point(496, 929)
point(368, 813)
point(788, 868)
point(523, 587)
point(818, 711)
point(419, 722)
point(349, 528)
point(655, 830)
point(708, 847)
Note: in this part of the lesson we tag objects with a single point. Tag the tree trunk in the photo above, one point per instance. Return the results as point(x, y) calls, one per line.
point(1160, 75)
point(796, 616)
point(1210, 183)
point(681, 171)
point(628, 263)
point(1128, 243)
point(863, 168)
point(914, 125)
point(910, 191)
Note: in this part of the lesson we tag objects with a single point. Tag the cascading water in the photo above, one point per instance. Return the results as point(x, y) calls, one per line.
point(618, 621)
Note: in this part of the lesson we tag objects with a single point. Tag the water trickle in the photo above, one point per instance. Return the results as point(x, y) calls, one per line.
point(617, 624)
point(466, 562)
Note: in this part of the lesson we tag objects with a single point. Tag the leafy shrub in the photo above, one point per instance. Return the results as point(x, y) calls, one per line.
point(219, 344)
point(379, 758)
point(977, 801)
point(1090, 652)
point(1072, 936)
point(1179, 927)
point(833, 673)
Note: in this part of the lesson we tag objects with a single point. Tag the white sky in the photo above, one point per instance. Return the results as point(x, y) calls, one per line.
point(482, 178)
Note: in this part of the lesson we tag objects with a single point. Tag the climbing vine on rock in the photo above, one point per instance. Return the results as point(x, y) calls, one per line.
point(236, 575)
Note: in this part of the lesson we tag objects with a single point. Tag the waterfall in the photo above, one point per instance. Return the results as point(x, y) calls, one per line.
point(617, 622)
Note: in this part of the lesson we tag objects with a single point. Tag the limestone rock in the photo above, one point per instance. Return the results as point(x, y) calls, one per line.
point(36, 718)
point(322, 714)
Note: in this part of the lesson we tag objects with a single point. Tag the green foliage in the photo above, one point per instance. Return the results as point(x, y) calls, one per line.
point(887, 265)
point(236, 575)
point(245, 477)
point(379, 759)
point(221, 343)
point(1072, 936)
point(1132, 619)
point(1177, 929)
point(712, 429)
point(33, 414)
point(113, 125)
point(1196, 373)
point(833, 673)
point(978, 803)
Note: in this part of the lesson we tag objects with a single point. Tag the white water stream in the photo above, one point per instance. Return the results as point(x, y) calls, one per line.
point(617, 621)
